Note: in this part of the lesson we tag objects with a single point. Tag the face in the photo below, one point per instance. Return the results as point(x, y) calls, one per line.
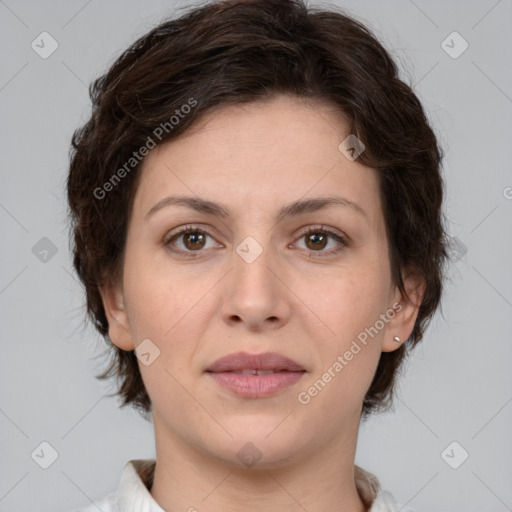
point(260, 268)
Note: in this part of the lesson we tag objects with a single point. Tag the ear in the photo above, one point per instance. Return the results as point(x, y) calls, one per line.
point(118, 325)
point(405, 312)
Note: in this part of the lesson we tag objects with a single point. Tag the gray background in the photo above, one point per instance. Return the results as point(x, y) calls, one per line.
point(457, 386)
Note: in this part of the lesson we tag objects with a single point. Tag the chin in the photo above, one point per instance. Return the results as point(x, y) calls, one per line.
point(258, 450)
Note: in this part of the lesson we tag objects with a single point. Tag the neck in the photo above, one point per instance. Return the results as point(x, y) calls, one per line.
point(188, 479)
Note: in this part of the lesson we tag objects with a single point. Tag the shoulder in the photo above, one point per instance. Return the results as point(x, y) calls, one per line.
point(385, 502)
point(373, 496)
point(108, 504)
point(136, 480)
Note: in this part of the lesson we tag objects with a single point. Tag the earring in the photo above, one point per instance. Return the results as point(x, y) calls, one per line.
point(397, 339)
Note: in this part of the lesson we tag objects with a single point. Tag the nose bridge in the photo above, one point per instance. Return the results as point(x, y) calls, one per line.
point(254, 294)
point(251, 275)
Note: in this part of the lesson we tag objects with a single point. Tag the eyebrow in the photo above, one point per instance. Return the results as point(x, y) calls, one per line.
point(294, 209)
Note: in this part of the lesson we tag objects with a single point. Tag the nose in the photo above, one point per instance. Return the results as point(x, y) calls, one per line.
point(256, 296)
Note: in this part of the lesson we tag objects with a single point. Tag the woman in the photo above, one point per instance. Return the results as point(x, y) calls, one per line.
point(256, 206)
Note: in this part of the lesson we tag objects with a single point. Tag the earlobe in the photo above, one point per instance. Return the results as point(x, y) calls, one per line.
point(115, 310)
point(402, 324)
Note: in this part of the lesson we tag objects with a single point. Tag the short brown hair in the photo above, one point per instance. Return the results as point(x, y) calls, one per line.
point(240, 51)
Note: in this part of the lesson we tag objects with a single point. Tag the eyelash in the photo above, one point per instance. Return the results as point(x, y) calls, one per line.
point(342, 240)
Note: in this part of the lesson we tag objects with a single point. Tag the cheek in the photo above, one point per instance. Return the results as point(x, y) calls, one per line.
point(350, 304)
point(346, 361)
point(157, 297)
point(353, 300)
point(170, 308)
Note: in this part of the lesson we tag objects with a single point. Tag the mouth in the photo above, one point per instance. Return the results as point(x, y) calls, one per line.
point(255, 375)
point(255, 372)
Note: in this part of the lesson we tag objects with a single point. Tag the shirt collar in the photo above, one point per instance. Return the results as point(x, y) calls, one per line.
point(137, 479)
point(367, 485)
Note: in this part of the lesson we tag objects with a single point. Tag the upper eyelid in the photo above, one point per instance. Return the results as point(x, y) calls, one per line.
point(185, 229)
point(322, 228)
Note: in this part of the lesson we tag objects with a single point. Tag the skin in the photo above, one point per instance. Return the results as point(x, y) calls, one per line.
point(253, 159)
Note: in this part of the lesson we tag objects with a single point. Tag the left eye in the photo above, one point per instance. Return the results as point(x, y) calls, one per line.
point(316, 240)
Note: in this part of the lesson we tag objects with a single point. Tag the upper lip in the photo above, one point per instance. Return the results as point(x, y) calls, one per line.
point(244, 361)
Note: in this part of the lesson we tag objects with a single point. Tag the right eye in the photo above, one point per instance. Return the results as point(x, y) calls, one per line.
point(192, 239)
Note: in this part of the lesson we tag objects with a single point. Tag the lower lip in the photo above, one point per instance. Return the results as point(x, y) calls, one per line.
point(255, 386)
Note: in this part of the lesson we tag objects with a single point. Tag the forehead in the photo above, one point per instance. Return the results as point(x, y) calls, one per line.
point(258, 156)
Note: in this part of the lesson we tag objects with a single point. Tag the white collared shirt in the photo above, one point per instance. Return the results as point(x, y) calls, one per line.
point(133, 494)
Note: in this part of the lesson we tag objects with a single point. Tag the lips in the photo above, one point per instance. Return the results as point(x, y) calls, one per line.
point(255, 375)
point(255, 372)
point(255, 364)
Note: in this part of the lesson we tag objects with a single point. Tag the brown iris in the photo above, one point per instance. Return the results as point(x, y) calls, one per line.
point(319, 240)
point(194, 240)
